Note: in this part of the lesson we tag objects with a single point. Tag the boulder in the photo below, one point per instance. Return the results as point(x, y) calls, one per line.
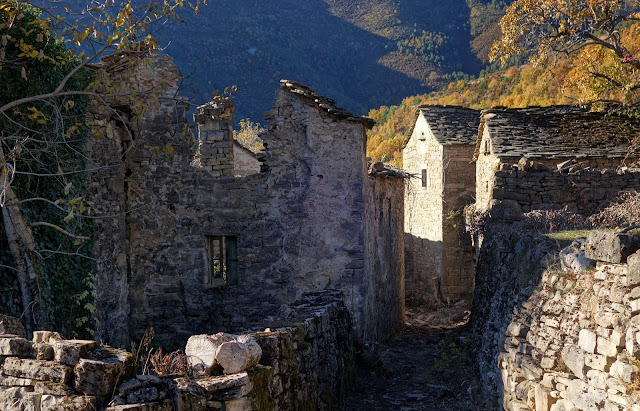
point(24, 398)
point(69, 352)
point(611, 247)
point(573, 259)
point(14, 346)
point(98, 376)
point(37, 370)
point(633, 276)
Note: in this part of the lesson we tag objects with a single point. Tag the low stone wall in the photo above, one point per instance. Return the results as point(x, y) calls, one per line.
point(582, 187)
point(306, 365)
point(572, 342)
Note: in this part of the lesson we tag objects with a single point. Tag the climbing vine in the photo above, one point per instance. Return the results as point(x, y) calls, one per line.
point(47, 138)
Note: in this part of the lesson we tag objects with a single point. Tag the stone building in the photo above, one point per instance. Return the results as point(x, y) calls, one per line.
point(439, 157)
point(552, 157)
point(190, 248)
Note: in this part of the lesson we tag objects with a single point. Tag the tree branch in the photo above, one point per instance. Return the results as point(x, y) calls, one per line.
point(62, 230)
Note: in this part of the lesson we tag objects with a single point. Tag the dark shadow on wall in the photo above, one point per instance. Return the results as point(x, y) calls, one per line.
point(510, 267)
point(423, 262)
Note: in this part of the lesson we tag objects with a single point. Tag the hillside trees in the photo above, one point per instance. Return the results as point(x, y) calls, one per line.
point(601, 31)
point(44, 87)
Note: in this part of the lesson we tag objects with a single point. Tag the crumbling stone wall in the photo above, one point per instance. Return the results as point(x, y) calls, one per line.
point(384, 252)
point(50, 373)
point(565, 340)
point(307, 359)
point(510, 188)
point(299, 224)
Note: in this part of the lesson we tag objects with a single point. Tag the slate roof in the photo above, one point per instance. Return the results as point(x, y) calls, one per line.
point(450, 125)
point(558, 132)
point(380, 169)
point(325, 104)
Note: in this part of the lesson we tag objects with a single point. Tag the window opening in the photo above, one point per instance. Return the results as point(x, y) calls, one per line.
point(222, 254)
point(424, 177)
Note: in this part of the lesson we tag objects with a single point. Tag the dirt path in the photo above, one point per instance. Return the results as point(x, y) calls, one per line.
point(422, 368)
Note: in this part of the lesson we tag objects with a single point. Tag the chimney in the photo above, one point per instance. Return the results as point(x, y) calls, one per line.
point(215, 148)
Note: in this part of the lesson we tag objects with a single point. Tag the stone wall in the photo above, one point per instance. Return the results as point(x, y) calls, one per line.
point(307, 359)
point(423, 217)
point(457, 251)
point(564, 339)
point(384, 253)
point(298, 226)
point(510, 189)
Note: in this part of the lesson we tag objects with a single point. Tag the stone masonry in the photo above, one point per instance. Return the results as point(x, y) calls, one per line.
point(575, 343)
point(552, 157)
point(305, 359)
point(558, 337)
point(297, 226)
point(215, 138)
point(438, 155)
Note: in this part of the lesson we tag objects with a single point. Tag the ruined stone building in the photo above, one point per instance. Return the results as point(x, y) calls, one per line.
point(194, 248)
point(550, 158)
point(439, 157)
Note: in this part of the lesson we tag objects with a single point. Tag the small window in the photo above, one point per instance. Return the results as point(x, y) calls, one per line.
point(424, 178)
point(222, 252)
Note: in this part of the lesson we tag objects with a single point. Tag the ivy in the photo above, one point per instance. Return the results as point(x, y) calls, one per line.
point(48, 138)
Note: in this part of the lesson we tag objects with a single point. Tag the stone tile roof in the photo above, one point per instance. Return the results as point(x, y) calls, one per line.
point(558, 132)
point(451, 125)
point(325, 104)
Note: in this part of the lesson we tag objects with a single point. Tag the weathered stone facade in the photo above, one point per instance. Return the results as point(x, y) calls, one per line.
point(572, 341)
point(438, 156)
point(306, 359)
point(298, 226)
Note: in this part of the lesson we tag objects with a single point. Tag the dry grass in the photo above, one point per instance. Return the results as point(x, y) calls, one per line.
point(621, 212)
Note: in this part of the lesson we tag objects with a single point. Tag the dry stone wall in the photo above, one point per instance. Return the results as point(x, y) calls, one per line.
point(307, 361)
point(511, 189)
point(569, 340)
point(50, 373)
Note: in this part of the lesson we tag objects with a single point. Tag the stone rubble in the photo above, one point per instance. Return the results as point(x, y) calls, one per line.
point(308, 362)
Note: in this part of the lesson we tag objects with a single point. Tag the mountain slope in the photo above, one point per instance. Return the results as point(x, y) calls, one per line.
point(362, 53)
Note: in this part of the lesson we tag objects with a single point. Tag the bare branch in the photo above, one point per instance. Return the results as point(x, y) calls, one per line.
point(62, 230)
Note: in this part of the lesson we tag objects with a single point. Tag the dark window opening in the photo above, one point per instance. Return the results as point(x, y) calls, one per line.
point(424, 178)
point(222, 252)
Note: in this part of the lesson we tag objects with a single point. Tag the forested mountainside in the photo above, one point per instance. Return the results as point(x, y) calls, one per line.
point(361, 53)
point(560, 80)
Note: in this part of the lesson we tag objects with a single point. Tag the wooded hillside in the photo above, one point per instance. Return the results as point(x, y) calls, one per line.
point(361, 53)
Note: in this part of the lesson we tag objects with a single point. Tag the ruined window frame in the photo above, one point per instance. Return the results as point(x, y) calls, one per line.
point(222, 260)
